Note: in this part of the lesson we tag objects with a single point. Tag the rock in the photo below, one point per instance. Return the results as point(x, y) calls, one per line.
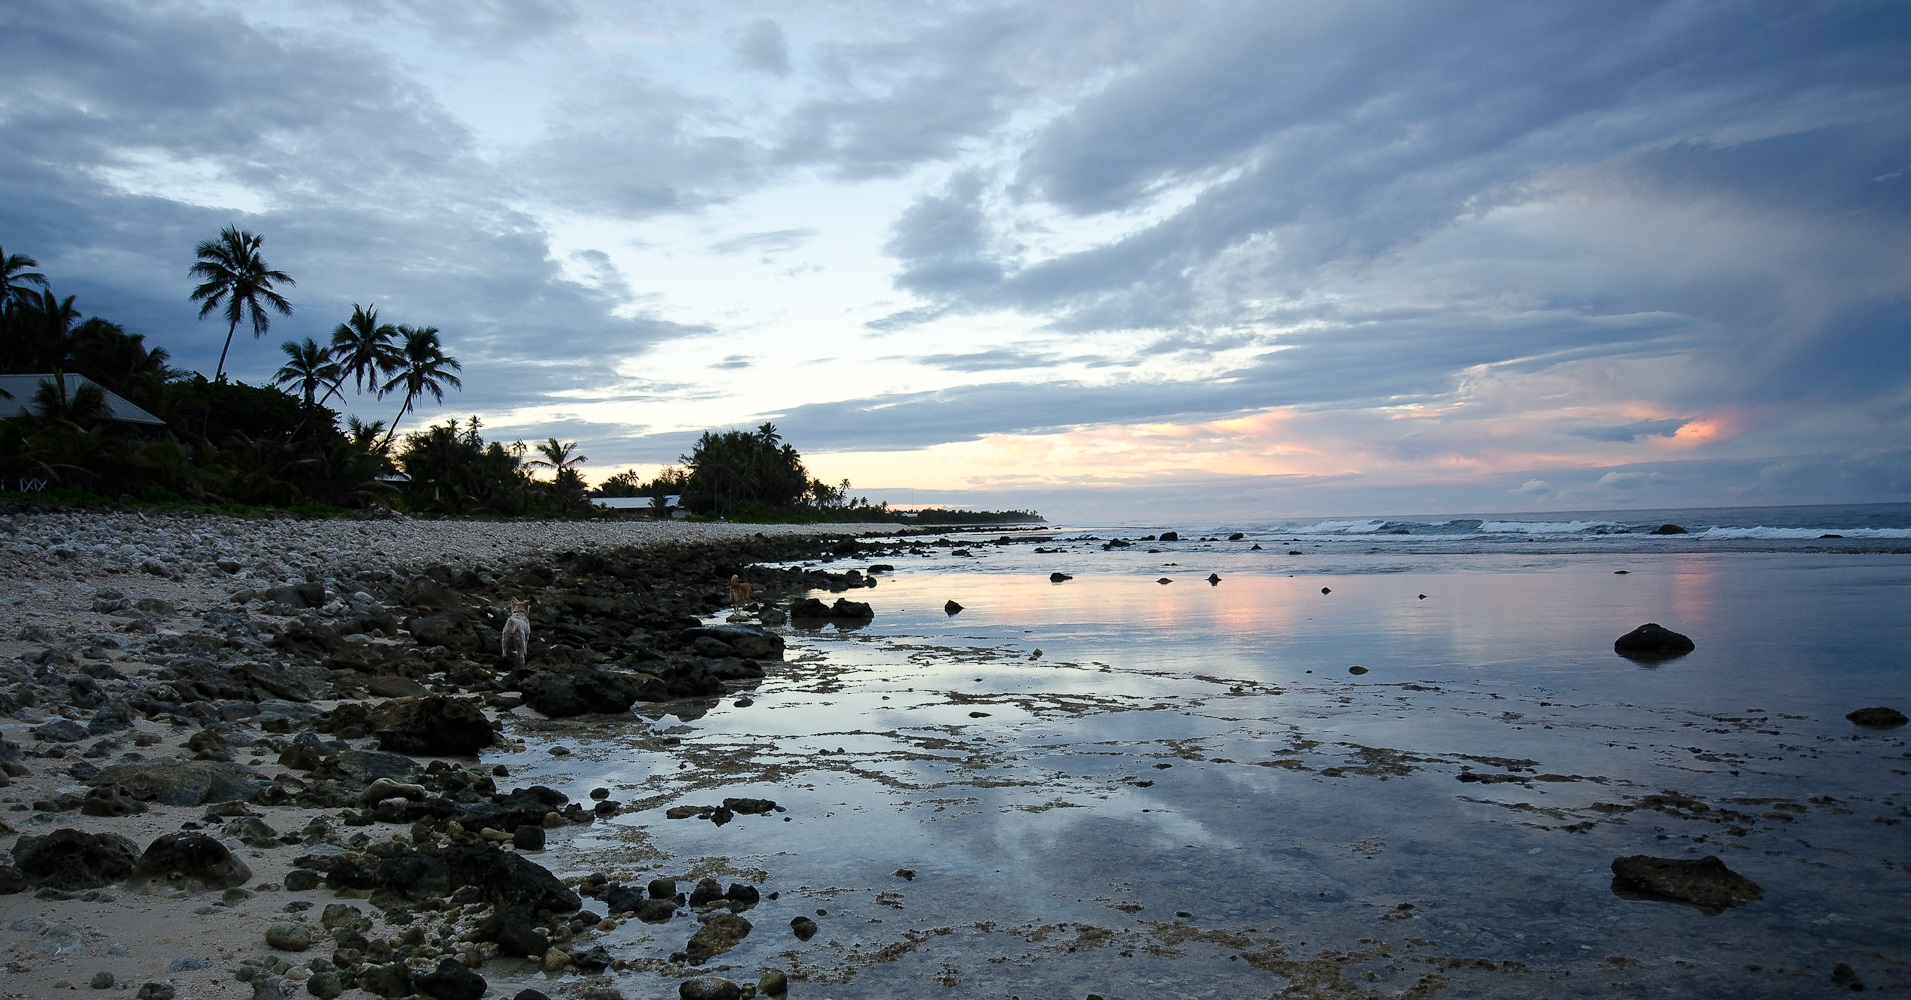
point(530, 994)
point(591, 690)
point(773, 983)
point(1878, 717)
point(301, 880)
point(513, 929)
point(1059, 577)
point(1846, 977)
point(1164, 581)
point(110, 800)
point(662, 888)
point(851, 610)
point(748, 641)
point(1237, 536)
point(102, 981)
point(528, 837)
point(750, 807)
point(185, 782)
point(721, 931)
point(390, 980)
point(1705, 883)
point(1357, 670)
point(326, 984)
point(60, 731)
point(72, 860)
point(451, 981)
point(1170, 536)
point(803, 927)
point(951, 608)
point(394, 686)
point(709, 988)
point(508, 879)
point(289, 935)
point(434, 724)
point(1669, 529)
point(155, 991)
point(1214, 578)
point(188, 861)
point(1652, 641)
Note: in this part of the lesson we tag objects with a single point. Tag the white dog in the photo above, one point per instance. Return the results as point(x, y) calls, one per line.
point(515, 641)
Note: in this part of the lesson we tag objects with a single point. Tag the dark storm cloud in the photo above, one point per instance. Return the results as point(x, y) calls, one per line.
point(1338, 134)
point(370, 194)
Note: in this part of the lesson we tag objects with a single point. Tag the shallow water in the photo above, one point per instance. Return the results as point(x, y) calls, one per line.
point(1188, 794)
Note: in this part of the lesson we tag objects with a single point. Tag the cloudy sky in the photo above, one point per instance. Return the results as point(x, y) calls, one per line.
point(1103, 259)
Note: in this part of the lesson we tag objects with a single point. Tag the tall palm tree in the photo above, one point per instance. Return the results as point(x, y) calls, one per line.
point(237, 277)
point(15, 277)
point(364, 350)
point(40, 331)
point(557, 456)
point(424, 367)
point(307, 366)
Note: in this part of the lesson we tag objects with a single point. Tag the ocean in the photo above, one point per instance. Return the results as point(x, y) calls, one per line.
point(1371, 757)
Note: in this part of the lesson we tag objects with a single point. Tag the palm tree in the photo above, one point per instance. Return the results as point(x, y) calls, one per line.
point(557, 456)
point(41, 331)
point(308, 366)
point(238, 277)
point(14, 277)
point(423, 367)
point(363, 348)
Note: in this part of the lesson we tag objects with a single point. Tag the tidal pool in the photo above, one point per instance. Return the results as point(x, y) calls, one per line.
point(1134, 789)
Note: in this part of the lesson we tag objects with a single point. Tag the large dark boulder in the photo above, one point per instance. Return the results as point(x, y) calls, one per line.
point(588, 691)
point(188, 861)
point(1878, 717)
point(184, 782)
point(434, 724)
point(450, 981)
point(845, 609)
point(514, 930)
point(72, 859)
point(1705, 883)
point(1652, 641)
point(748, 641)
point(506, 879)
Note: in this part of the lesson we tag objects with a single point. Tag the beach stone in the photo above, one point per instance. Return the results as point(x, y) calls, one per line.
point(1669, 529)
point(951, 608)
point(434, 724)
point(394, 686)
point(155, 991)
point(749, 641)
point(326, 984)
point(389, 980)
point(1652, 641)
point(1845, 977)
point(587, 691)
point(74, 860)
point(709, 988)
point(451, 981)
point(528, 837)
point(60, 731)
point(102, 981)
point(110, 800)
point(301, 880)
point(803, 927)
point(774, 983)
point(530, 994)
point(288, 935)
point(185, 782)
point(721, 931)
point(1058, 577)
point(1705, 883)
point(513, 930)
point(1878, 717)
point(189, 860)
point(1170, 536)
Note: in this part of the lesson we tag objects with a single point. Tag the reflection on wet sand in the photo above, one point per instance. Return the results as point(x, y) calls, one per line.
point(1190, 795)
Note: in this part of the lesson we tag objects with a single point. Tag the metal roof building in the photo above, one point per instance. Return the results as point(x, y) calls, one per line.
point(19, 390)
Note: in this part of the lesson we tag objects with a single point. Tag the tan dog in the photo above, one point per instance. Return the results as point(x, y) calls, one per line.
point(739, 592)
point(515, 641)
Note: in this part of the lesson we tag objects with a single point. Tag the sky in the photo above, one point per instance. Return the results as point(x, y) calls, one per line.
point(1223, 260)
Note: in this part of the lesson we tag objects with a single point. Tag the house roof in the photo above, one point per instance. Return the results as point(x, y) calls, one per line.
point(631, 503)
point(20, 389)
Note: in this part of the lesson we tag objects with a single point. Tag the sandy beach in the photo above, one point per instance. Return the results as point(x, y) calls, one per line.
point(977, 764)
point(99, 607)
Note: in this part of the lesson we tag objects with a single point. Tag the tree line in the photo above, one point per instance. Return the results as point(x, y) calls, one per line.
point(223, 441)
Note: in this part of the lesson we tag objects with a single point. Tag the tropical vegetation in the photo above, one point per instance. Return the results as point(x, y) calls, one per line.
point(220, 441)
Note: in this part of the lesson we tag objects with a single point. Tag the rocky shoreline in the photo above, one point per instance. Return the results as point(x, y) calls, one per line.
point(240, 760)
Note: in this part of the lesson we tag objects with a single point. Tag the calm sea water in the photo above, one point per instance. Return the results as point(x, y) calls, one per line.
point(1137, 788)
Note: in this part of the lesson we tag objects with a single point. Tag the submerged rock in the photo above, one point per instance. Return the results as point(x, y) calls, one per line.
point(1670, 529)
point(1652, 641)
point(1705, 883)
